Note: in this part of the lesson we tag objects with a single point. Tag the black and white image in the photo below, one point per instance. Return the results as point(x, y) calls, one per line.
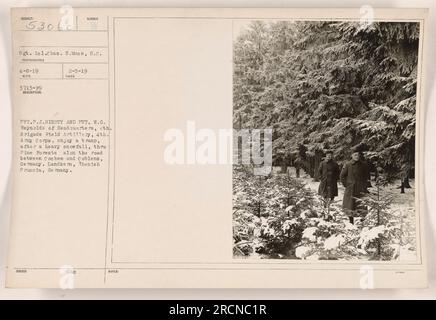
point(340, 98)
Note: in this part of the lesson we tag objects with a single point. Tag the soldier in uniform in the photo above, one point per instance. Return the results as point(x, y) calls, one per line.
point(355, 177)
point(328, 172)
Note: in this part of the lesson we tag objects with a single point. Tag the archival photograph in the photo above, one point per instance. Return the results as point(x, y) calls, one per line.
point(329, 107)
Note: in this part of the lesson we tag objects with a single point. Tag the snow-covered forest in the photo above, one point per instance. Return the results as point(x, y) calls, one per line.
point(326, 86)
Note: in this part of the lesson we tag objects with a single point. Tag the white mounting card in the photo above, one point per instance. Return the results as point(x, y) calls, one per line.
point(217, 148)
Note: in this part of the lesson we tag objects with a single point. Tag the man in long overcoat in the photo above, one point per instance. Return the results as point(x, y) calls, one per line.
point(355, 178)
point(328, 172)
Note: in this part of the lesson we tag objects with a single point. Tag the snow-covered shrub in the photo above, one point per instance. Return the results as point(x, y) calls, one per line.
point(278, 235)
point(278, 217)
point(269, 213)
point(328, 240)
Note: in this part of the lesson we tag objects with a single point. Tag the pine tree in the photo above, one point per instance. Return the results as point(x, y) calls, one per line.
point(330, 85)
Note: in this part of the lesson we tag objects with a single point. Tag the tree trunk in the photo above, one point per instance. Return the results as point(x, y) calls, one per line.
point(311, 167)
point(406, 182)
point(317, 161)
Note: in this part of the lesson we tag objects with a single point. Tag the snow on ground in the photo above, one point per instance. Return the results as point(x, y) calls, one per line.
point(403, 206)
